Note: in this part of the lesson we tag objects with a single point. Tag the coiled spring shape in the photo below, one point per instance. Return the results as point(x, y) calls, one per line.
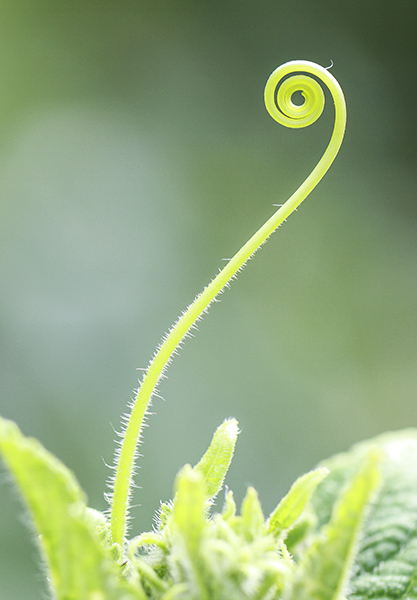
point(289, 78)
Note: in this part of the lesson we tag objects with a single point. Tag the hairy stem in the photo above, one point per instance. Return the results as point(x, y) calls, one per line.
point(279, 104)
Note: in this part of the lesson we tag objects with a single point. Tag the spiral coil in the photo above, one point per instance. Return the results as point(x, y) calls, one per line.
point(279, 103)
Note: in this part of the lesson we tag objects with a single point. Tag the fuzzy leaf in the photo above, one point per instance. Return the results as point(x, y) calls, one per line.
point(189, 513)
point(214, 464)
point(293, 504)
point(325, 567)
point(80, 565)
point(252, 515)
point(189, 521)
point(385, 567)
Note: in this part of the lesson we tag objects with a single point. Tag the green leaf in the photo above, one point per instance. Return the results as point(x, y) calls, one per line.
point(214, 464)
point(293, 504)
point(386, 566)
point(326, 564)
point(229, 508)
point(189, 522)
point(252, 516)
point(80, 565)
point(189, 512)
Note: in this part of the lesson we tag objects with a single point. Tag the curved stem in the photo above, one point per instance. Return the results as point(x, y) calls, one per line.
point(171, 342)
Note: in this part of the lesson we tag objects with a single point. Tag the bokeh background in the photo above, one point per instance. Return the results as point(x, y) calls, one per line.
point(136, 154)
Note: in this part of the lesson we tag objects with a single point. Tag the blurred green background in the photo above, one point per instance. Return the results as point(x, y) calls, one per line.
point(135, 154)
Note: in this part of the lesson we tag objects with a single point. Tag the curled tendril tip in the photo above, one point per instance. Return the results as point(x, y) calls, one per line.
point(285, 81)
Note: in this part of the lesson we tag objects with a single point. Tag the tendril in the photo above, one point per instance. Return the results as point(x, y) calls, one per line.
point(285, 81)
